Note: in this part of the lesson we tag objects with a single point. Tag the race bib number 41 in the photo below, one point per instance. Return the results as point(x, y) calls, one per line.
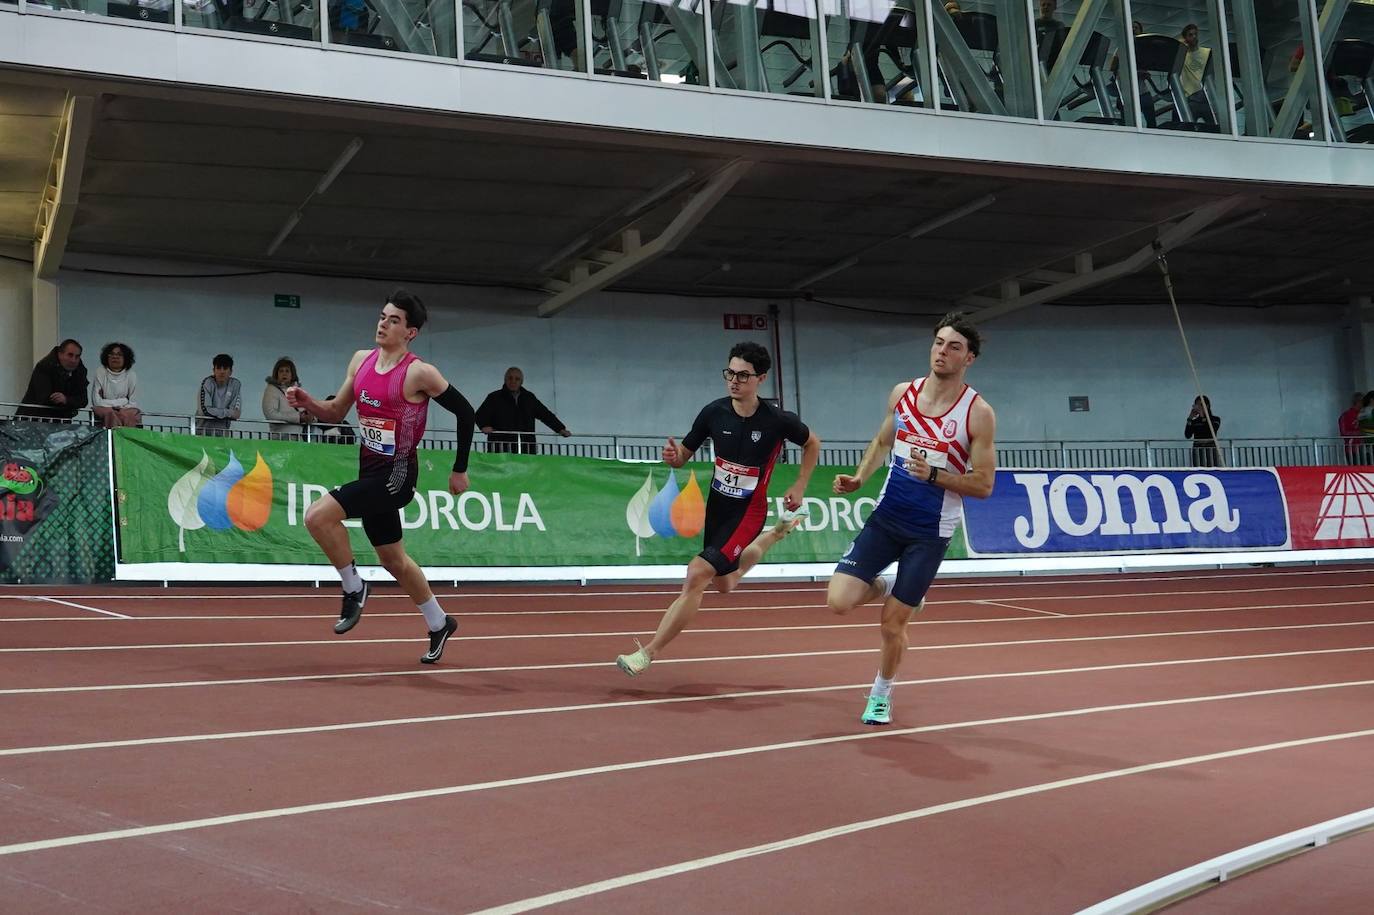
point(735, 480)
point(936, 454)
point(379, 435)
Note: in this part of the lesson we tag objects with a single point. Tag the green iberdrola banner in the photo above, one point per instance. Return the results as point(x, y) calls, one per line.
point(185, 498)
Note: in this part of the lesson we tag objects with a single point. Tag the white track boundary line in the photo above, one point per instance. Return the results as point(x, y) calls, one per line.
point(46, 649)
point(1219, 869)
point(638, 703)
point(998, 603)
point(67, 603)
point(584, 665)
point(330, 594)
point(449, 790)
point(484, 614)
point(835, 832)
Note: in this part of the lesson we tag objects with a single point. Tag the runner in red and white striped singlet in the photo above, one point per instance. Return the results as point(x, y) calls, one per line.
point(940, 433)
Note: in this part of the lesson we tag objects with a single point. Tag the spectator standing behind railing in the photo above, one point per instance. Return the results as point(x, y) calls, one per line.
point(115, 387)
point(1348, 424)
point(512, 409)
point(221, 397)
point(1366, 425)
point(57, 387)
point(1198, 429)
point(285, 421)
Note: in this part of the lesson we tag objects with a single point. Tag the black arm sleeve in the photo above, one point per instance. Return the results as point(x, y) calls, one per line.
point(545, 415)
point(701, 430)
point(458, 405)
point(794, 429)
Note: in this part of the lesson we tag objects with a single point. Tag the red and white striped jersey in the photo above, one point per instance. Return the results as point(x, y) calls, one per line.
point(912, 507)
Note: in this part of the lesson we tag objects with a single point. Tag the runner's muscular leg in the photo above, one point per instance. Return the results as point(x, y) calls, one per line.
point(407, 573)
point(324, 519)
point(896, 618)
point(700, 573)
point(846, 592)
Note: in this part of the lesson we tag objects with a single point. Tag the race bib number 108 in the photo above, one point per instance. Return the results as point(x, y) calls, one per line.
point(379, 435)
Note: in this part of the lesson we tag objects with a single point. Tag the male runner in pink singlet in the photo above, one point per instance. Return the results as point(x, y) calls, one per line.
point(392, 388)
point(940, 433)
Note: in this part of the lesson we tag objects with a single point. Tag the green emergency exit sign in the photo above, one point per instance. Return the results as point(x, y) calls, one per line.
point(287, 301)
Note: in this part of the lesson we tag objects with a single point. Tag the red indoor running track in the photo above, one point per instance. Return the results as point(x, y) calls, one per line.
point(1055, 742)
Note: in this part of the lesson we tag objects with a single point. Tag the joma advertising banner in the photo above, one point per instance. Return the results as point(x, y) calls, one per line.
point(1128, 511)
point(197, 499)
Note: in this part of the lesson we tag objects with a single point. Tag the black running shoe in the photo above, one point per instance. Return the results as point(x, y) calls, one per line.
point(352, 609)
point(438, 639)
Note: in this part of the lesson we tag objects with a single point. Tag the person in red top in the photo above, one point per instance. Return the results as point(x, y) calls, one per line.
point(392, 388)
point(1349, 425)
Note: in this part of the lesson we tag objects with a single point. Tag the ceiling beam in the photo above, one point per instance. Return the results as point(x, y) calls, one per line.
point(1168, 239)
point(588, 276)
point(58, 206)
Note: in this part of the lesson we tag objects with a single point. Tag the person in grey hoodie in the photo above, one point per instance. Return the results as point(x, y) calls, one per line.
point(221, 398)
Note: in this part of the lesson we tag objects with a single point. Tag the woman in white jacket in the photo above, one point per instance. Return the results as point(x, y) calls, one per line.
point(285, 421)
point(114, 391)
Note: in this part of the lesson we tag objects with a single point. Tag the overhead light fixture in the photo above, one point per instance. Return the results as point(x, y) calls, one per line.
point(321, 186)
point(339, 165)
point(286, 229)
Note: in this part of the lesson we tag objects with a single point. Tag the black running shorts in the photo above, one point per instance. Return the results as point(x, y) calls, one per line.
point(731, 525)
point(379, 508)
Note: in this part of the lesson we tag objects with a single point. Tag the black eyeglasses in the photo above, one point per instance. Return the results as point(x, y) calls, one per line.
point(738, 376)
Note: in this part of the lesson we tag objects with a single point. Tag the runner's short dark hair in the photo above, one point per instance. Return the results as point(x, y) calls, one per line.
point(959, 322)
point(753, 353)
point(410, 303)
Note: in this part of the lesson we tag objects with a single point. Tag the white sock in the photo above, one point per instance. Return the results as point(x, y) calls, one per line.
point(886, 583)
point(352, 581)
point(434, 614)
point(882, 687)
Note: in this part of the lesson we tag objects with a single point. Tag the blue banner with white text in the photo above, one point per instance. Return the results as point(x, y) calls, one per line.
point(1127, 511)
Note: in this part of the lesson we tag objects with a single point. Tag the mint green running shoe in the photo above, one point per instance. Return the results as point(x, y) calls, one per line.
point(878, 710)
point(634, 663)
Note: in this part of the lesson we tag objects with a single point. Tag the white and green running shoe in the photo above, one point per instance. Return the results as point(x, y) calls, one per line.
point(634, 663)
point(878, 710)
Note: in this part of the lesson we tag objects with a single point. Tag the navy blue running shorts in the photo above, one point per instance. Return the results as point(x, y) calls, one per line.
point(876, 548)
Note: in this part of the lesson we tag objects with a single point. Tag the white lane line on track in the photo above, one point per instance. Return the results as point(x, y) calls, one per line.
point(634, 703)
point(479, 614)
point(998, 603)
point(449, 790)
point(1005, 582)
point(587, 665)
point(698, 632)
point(835, 832)
point(67, 603)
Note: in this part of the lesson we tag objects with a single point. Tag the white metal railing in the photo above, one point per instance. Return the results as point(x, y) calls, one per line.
point(1060, 454)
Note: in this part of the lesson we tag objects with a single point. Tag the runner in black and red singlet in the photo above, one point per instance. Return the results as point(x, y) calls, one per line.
point(748, 434)
point(392, 387)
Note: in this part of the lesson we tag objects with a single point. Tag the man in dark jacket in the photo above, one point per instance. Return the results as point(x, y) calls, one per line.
point(512, 409)
point(57, 387)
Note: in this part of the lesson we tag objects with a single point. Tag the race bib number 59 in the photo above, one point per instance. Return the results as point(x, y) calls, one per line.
point(379, 435)
point(936, 454)
point(735, 480)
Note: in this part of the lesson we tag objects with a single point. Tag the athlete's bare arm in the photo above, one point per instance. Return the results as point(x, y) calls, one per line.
point(329, 411)
point(875, 455)
point(982, 472)
point(675, 455)
point(811, 455)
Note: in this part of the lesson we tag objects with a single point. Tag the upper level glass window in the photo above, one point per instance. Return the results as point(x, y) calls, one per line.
point(1347, 37)
point(767, 46)
point(531, 33)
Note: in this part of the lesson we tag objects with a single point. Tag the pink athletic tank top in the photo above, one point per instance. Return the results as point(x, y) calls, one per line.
point(391, 426)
